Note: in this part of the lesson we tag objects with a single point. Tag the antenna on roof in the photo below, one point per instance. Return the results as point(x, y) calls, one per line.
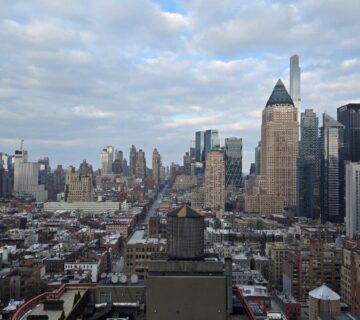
point(21, 144)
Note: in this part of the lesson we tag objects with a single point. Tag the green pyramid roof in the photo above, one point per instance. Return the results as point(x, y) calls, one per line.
point(279, 95)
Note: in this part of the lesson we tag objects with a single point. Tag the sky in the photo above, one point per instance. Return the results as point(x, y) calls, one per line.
point(76, 76)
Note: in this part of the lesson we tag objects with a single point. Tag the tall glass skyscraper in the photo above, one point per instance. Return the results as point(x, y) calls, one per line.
point(211, 141)
point(308, 163)
point(332, 143)
point(295, 78)
point(349, 116)
point(199, 146)
point(233, 162)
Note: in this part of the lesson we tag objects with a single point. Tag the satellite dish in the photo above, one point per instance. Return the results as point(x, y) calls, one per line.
point(114, 278)
point(103, 275)
point(134, 278)
point(123, 279)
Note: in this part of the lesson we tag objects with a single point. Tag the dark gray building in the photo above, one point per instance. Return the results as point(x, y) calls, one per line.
point(349, 116)
point(199, 146)
point(233, 162)
point(307, 164)
point(132, 159)
point(332, 143)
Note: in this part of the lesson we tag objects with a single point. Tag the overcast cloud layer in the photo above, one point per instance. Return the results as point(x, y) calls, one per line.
point(76, 76)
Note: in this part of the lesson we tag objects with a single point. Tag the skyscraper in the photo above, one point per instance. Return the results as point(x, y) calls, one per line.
point(132, 160)
point(118, 162)
point(295, 80)
point(308, 163)
point(215, 181)
point(233, 162)
point(26, 177)
point(352, 199)
point(279, 145)
point(199, 146)
point(78, 187)
point(332, 142)
point(187, 163)
point(349, 116)
point(140, 169)
point(106, 157)
point(211, 141)
point(258, 159)
point(156, 165)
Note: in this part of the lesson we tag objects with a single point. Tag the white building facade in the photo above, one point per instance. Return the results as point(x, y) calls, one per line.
point(352, 198)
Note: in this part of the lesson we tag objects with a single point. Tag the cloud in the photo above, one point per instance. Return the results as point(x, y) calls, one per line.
point(90, 112)
point(85, 74)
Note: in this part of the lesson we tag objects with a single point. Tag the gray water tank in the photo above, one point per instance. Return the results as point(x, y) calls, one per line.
point(185, 230)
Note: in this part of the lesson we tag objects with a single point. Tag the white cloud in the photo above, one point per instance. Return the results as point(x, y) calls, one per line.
point(131, 72)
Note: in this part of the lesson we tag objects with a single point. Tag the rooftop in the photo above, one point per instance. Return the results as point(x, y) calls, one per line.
point(139, 237)
point(279, 95)
point(185, 212)
point(324, 293)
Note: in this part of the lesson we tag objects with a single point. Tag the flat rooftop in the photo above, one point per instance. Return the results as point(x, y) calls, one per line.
point(138, 237)
point(67, 296)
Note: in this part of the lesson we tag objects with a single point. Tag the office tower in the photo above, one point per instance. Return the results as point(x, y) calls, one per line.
point(132, 160)
point(233, 162)
point(44, 170)
point(6, 175)
point(258, 159)
point(156, 165)
point(199, 146)
point(117, 166)
point(215, 181)
point(59, 179)
point(192, 150)
point(26, 177)
point(352, 199)
point(295, 82)
point(349, 116)
point(252, 168)
point(308, 163)
point(85, 168)
point(211, 141)
point(107, 156)
point(279, 145)
point(125, 168)
point(187, 163)
point(332, 143)
point(118, 155)
point(140, 168)
point(78, 187)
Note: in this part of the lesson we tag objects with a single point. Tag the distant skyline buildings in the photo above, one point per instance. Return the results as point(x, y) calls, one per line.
point(308, 163)
point(233, 162)
point(211, 141)
point(349, 116)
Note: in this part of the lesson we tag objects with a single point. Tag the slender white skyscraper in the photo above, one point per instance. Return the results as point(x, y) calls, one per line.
point(295, 77)
point(352, 199)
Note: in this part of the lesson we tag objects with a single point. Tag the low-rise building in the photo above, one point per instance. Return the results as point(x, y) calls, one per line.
point(138, 250)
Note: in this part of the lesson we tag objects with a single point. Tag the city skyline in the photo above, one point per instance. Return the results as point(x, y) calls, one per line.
point(187, 69)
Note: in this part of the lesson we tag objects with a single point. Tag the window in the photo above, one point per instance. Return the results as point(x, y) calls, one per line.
point(104, 297)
